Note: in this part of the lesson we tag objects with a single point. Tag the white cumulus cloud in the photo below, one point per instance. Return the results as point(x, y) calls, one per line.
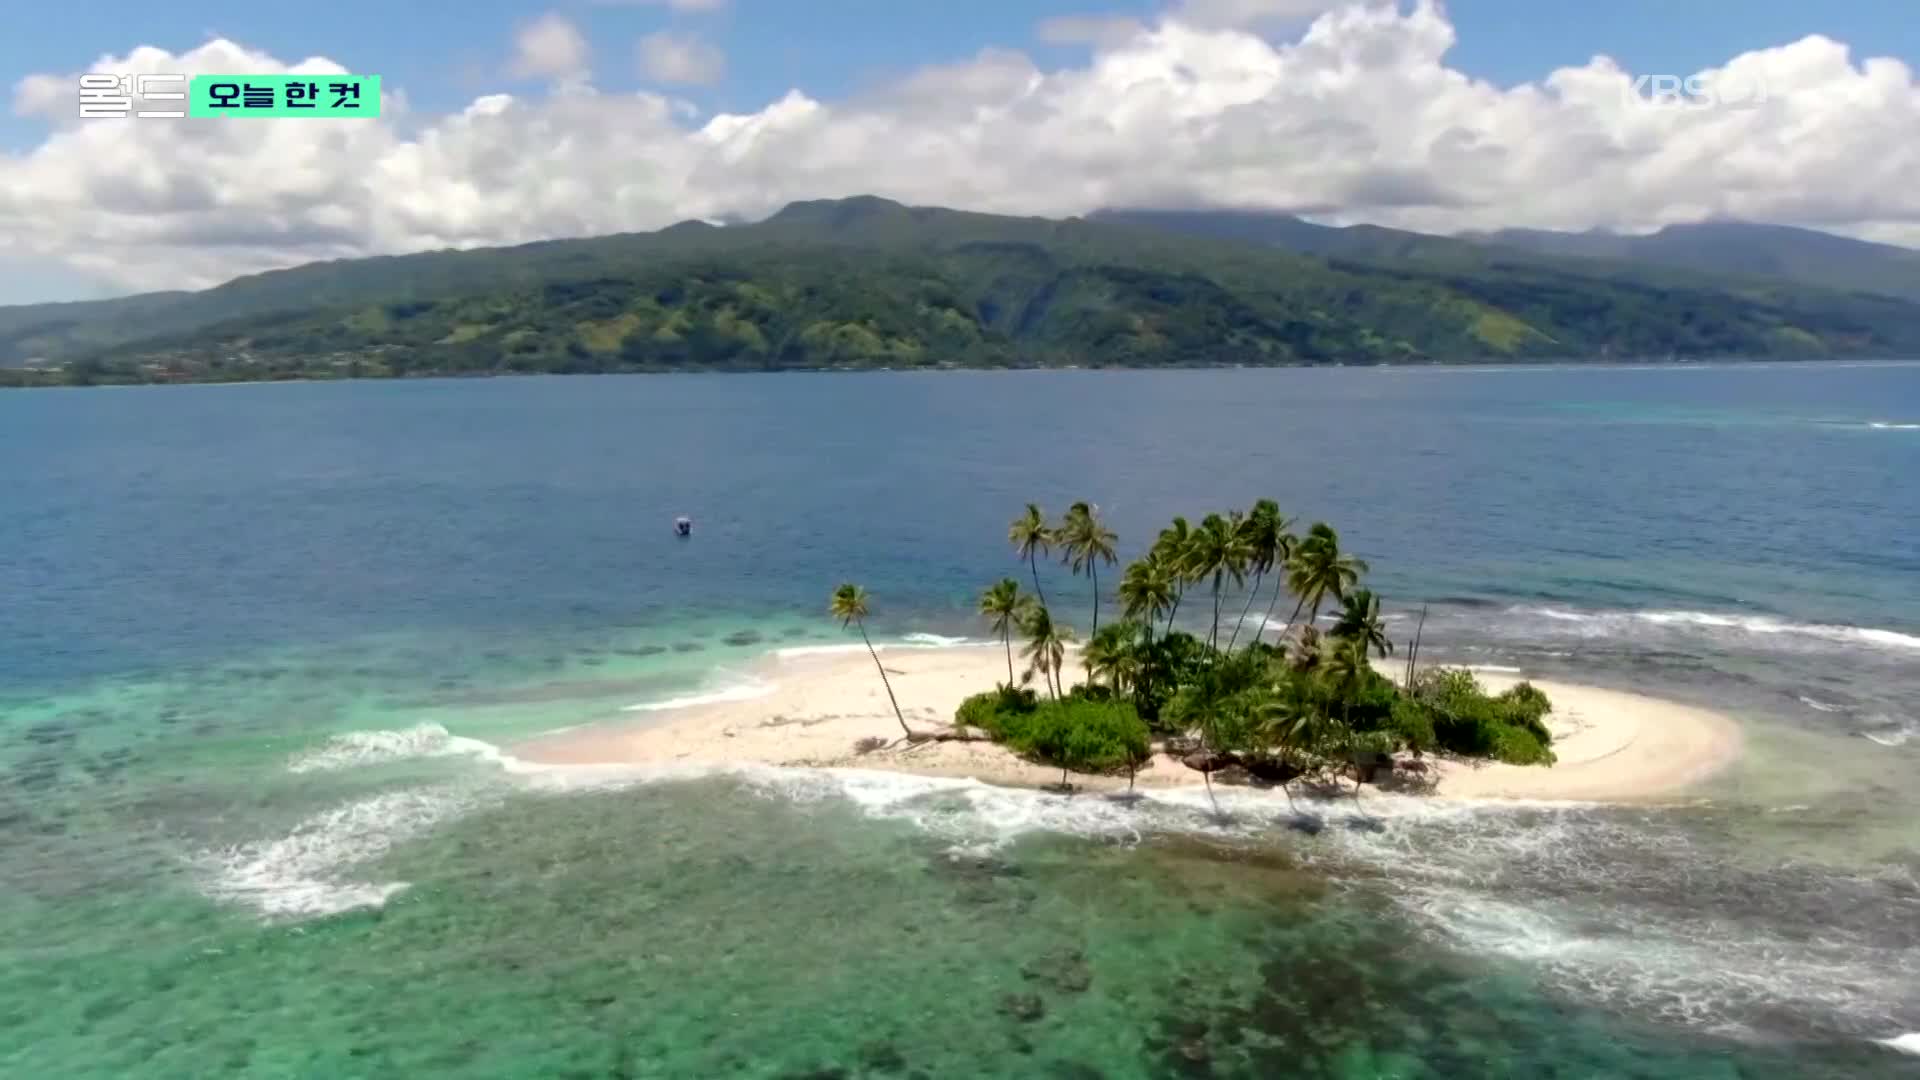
point(549, 47)
point(668, 57)
point(1355, 117)
point(1253, 13)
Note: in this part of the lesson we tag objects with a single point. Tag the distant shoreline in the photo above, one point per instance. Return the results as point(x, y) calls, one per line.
point(9, 375)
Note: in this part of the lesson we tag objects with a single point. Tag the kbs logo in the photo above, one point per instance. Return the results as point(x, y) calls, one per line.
point(1698, 92)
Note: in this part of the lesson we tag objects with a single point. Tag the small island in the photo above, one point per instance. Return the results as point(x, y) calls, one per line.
point(1267, 692)
point(1309, 705)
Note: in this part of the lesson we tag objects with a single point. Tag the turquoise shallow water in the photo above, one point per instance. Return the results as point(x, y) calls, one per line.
point(263, 645)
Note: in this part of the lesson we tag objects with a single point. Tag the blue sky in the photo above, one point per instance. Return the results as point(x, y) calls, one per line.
point(446, 53)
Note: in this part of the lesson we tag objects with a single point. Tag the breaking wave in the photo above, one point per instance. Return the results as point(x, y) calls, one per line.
point(356, 748)
point(1582, 894)
point(938, 641)
point(305, 873)
point(1892, 733)
point(910, 641)
point(1617, 623)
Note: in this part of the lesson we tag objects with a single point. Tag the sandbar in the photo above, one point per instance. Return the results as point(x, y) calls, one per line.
point(828, 709)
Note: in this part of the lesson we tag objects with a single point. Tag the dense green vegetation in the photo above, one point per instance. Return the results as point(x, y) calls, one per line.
point(1749, 259)
point(1803, 255)
point(868, 283)
point(1311, 704)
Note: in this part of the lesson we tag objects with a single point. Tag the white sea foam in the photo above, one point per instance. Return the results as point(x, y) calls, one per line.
point(981, 816)
point(745, 690)
point(1534, 887)
point(1893, 734)
point(1818, 705)
point(939, 641)
point(1443, 855)
point(1612, 623)
point(356, 748)
point(794, 652)
point(911, 641)
point(1906, 1044)
point(303, 874)
point(1499, 669)
point(1680, 972)
point(1882, 425)
point(975, 816)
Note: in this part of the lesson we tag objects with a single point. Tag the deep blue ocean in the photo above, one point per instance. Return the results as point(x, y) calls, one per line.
point(260, 644)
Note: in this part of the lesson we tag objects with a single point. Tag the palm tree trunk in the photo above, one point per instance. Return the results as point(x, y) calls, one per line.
point(1279, 581)
point(1214, 638)
point(1245, 608)
point(1006, 638)
point(1291, 619)
point(1034, 565)
point(1093, 570)
point(1175, 608)
point(1413, 654)
point(884, 681)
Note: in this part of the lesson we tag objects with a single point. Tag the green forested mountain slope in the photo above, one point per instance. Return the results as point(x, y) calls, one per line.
point(1802, 255)
point(865, 282)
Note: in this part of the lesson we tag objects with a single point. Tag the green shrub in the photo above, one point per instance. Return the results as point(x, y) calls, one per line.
point(1412, 723)
point(991, 711)
point(1077, 734)
point(1106, 740)
point(1528, 698)
point(1526, 707)
point(1519, 746)
point(1508, 727)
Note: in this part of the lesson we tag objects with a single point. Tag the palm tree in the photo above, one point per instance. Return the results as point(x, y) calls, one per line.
point(849, 605)
point(1345, 668)
point(1002, 604)
point(1046, 648)
point(1319, 570)
point(1085, 542)
point(1296, 723)
point(1032, 538)
point(1360, 622)
point(1113, 654)
point(1282, 553)
point(1217, 551)
point(1268, 545)
point(1147, 590)
point(1171, 550)
point(1306, 653)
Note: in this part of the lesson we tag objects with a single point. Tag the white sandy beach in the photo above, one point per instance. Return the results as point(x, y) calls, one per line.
point(813, 708)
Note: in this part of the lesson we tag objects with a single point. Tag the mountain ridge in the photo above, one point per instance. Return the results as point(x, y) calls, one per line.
point(869, 282)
